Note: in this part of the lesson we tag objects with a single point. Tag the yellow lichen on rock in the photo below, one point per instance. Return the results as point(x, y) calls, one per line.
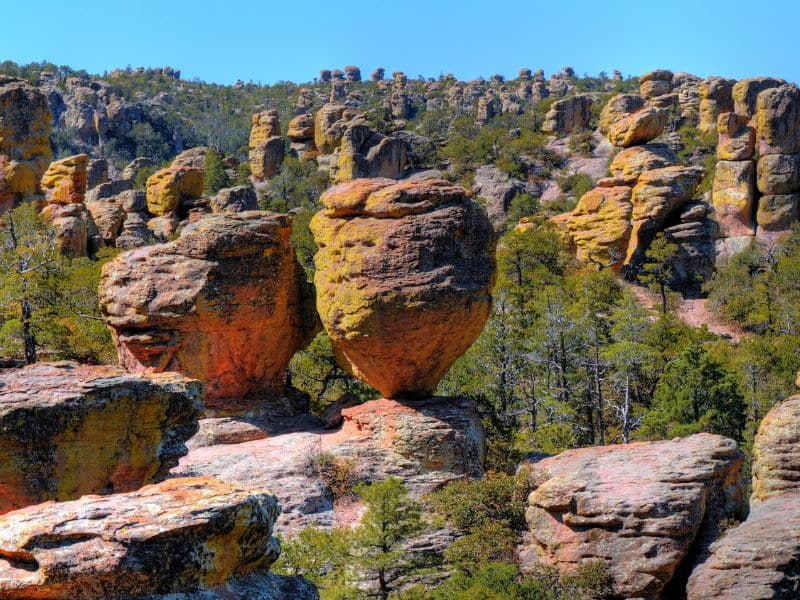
point(64, 182)
point(600, 225)
point(167, 188)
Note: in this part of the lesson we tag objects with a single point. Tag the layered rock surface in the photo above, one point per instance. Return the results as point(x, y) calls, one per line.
point(643, 508)
point(226, 303)
point(404, 277)
point(266, 146)
point(68, 430)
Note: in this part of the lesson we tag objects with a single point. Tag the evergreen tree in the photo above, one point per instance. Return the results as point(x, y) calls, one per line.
point(657, 271)
point(215, 176)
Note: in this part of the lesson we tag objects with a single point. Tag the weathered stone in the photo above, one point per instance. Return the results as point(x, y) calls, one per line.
point(137, 164)
point(715, 99)
point(655, 83)
point(638, 128)
point(164, 228)
point(404, 277)
point(24, 139)
point(168, 188)
point(226, 303)
point(108, 216)
point(253, 586)
point(301, 128)
point(734, 197)
point(328, 129)
point(378, 74)
point(68, 430)
point(568, 115)
point(641, 508)
point(630, 163)
point(777, 213)
point(64, 182)
point(737, 140)
point(96, 172)
point(498, 188)
point(135, 232)
point(366, 153)
point(779, 174)
point(757, 559)
point(73, 226)
point(618, 107)
point(235, 199)
point(778, 120)
point(266, 145)
point(180, 535)
point(776, 452)
point(352, 73)
point(108, 189)
point(600, 225)
point(746, 91)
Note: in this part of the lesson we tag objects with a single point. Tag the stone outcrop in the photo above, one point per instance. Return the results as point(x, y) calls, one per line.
point(183, 534)
point(266, 146)
point(498, 188)
point(631, 162)
point(778, 120)
point(169, 188)
point(329, 125)
point(425, 442)
point(618, 107)
point(108, 216)
point(776, 452)
point(68, 430)
point(642, 508)
point(655, 83)
point(715, 98)
point(745, 94)
point(73, 227)
point(404, 277)
point(367, 153)
point(64, 182)
point(734, 197)
point(637, 128)
point(737, 139)
point(96, 172)
point(24, 140)
point(226, 303)
point(600, 225)
point(568, 115)
point(235, 199)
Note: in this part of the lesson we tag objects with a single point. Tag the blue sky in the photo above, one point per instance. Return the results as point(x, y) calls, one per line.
point(267, 41)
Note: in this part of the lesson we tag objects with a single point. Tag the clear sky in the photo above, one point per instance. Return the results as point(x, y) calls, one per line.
point(225, 40)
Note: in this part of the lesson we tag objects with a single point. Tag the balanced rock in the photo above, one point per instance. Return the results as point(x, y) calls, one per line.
point(24, 139)
point(715, 99)
point(301, 128)
point(638, 128)
point(64, 182)
point(655, 83)
point(568, 115)
point(778, 120)
point(618, 107)
point(641, 508)
point(226, 303)
point(73, 226)
point(404, 278)
point(168, 188)
point(733, 195)
point(184, 534)
point(630, 163)
point(68, 430)
point(737, 139)
point(329, 127)
point(266, 145)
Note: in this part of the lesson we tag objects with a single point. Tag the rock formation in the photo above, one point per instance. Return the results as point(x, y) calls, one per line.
point(404, 277)
point(568, 115)
point(226, 303)
point(235, 199)
point(637, 128)
point(169, 188)
point(642, 508)
point(618, 107)
point(655, 83)
point(69, 430)
point(715, 98)
point(301, 136)
point(180, 535)
point(366, 153)
point(64, 182)
point(266, 146)
point(24, 140)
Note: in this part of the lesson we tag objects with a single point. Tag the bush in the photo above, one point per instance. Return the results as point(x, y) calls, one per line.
point(339, 475)
point(575, 185)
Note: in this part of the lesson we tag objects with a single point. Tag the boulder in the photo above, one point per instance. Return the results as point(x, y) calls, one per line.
point(64, 182)
point(776, 452)
point(235, 199)
point(108, 216)
point(194, 158)
point(641, 508)
point(630, 163)
point(183, 534)
point(737, 140)
point(328, 128)
point(24, 139)
point(757, 559)
point(777, 213)
point(746, 91)
point(734, 197)
point(638, 128)
point(132, 169)
point(715, 99)
point(73, 226)
point(568, 115)
point(67, 430)
point(618, 107)
point(352, 73)
point(135, 232)
point(656, 196)
point(109, 189)
point(366, 153)
point(168, 188)
point(226, 303)
point(600, 226)
point(96, 172)
point(655, 83)
point(498, 188)
point(779, 174)
point(301, 128)
point(266, 146)
point(404, 277)
point(778, 120)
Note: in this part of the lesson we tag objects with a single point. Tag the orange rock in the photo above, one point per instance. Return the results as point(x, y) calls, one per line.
point(181, 535)
point(301, 128)
point(64, 182)
point(168, 188)
point(266, 145)
point(600, 225)
point(638, 128)
point(404, 278)
point(776, 451)
point(630, 163)
point(734, 197)
point(68, 430)
point(226, 303)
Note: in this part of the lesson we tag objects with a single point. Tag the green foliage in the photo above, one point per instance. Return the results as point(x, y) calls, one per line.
point(521, 205)
point(142, 175)
point(582, 143)
point(657, 270)
point(337, 474)
point(215, 177)
point(575, 185)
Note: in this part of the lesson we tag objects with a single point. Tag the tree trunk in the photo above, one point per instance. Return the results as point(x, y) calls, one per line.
point(28, 337)
point(663, 287)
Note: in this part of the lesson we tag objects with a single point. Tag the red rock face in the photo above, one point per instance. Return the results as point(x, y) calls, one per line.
point(179, 535)
point(639, 507)
point(226, 303)
point(69, 430)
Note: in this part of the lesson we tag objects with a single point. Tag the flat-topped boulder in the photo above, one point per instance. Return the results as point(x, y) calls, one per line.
point(226, 303)
point(67, 430)
point(404, 278)
point(180, 535)
point(642, 508)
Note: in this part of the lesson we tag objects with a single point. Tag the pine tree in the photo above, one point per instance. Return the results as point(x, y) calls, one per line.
point(215, 176)
point(657, 270)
